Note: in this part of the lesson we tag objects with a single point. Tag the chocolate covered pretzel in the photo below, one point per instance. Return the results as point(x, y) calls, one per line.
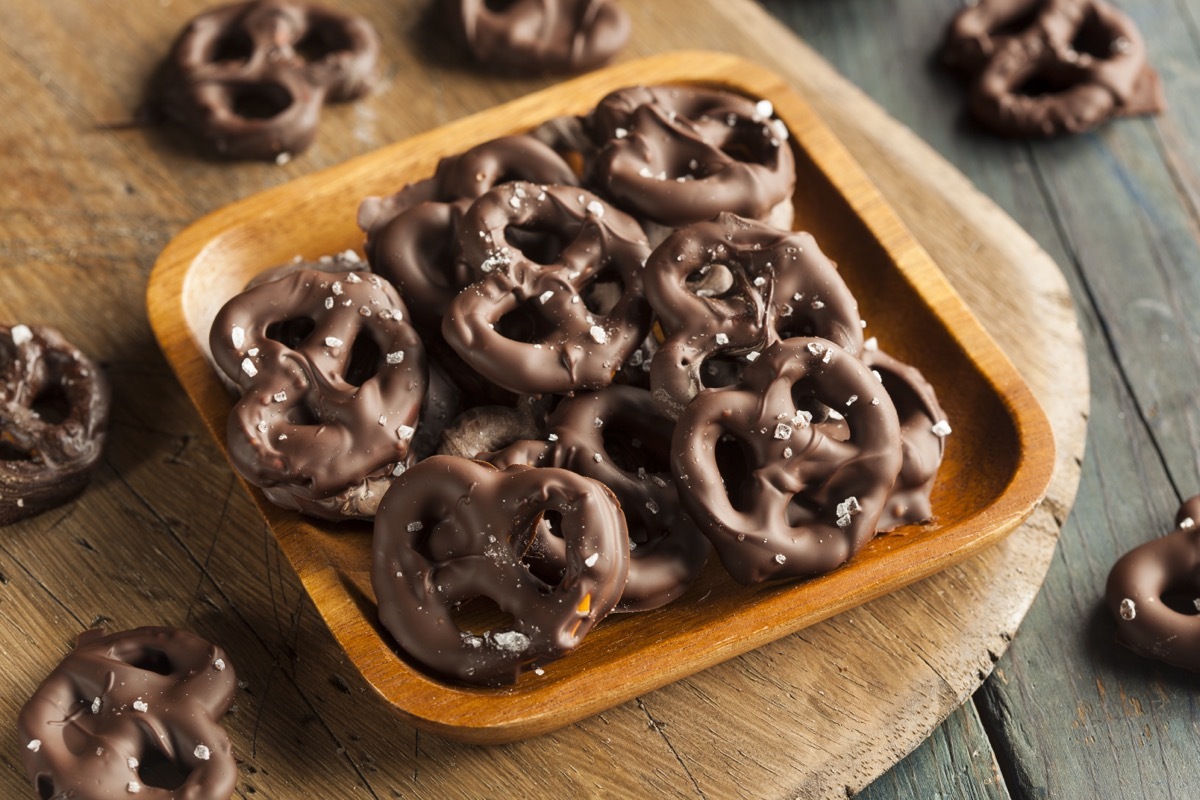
point(776, 496)
point(672, 156)
point(618, 437)
point(249, 79)
point(452, 530)
point(532, 36)
point(332, 378)
point(732, 286)
point(1048, 67)
point(557, 306)
point(135, 713)
point(1153, 593)
point(54, 404)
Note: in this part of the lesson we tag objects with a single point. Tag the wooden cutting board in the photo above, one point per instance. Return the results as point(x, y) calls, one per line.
point(812, 715)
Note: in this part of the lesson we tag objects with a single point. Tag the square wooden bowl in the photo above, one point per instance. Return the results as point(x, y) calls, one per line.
point(997, 466)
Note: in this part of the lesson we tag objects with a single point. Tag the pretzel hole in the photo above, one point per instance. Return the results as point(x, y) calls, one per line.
point(1016, 24)
point(525, 324)
point(234, 46)
point(734, 467)
point(151, 660)
point(748, 144)
point(1095, 38)
point(291, 333)
point(1181, 600)
point(45, 787)
point(51, 404)
point(539, 245)
point(322, 40)
point(629, 451)
point(721, 370)
point(156, 769)
point(499, 6)
point(301, 414)
point(479, 615)
point(364, 361)
point(603, 294)
point(259, 100)
point(710, 280)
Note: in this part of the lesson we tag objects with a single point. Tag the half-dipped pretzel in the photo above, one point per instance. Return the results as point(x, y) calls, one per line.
point(134, 713)
point(730, 286)
point(923, 432)
point(618, 437)
point(1087, 61)
point(332, 379)
point(452, 530)
point(1153, 593)
point(558, 304)
point(776, 496)
point(250, 78)
point(533, 36)
point(674, 156)
point(54, 405)
point(413, 235)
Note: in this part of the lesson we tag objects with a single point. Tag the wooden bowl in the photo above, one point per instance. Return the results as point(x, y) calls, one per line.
point(997, 466)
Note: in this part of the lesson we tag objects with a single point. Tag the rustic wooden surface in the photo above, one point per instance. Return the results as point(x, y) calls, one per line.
point(163, 536)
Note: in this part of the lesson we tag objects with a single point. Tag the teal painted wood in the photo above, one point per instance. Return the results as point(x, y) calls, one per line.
point(1070, 713)
point(954, 763)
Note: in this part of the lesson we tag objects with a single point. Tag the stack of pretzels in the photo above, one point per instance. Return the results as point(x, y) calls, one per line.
point(581, 359)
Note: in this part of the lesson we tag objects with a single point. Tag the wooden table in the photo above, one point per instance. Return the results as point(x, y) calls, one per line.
point(166, 536)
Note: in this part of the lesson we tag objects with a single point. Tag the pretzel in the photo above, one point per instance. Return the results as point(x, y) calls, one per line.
point(250, 78)
point(333, 378)
point(777, 497)
point(531, 36)
point(54, 404)
point(673, 156)
point(132, 713)
point(729, 287)
point(1153, 593)
point(452, 530)
point(923, 432)
point(1085, 59)
point(618, 437)
point(557, 306)
point(412, 236)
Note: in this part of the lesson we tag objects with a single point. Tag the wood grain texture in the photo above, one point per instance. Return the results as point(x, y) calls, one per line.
point(1072, 714)
point(92, 206)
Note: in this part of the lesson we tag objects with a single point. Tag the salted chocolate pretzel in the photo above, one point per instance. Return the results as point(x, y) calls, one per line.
point(557, 304)
point(249, 79)
point(729, 287)
point(532, 36)
point(332, 378)
point(452, 530)
point(776, 496)
point(54, 404)
point(1153, 593)
point(618, 437)
point(135, 713)
point(672, 156)
point(1086, 58)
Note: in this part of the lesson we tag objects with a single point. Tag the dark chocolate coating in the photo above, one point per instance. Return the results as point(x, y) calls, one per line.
point(775, 496)
point(534, 36)
point(919, 411)
point(1153, 593)
point(731, 286)
point(451, 530)
point(249, 79)
point(119, 703)
point(557, 306)
point(668, 550)
point(333, 378)
point(47, 460)
point(675, 156)
point(1088, 57)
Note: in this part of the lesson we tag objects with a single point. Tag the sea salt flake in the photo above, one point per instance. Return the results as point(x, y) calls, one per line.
point(787, 452)
point(764, 109)
point(828, 356)
point(96, 704)
point(941, 428)
point(513, 641)
point(848, 507)
point(34, 745)
point(595, 208)
point(599, 423)
point(874, 401)
point(262, 426)
point(871, 344)
point(802, 419)
point(760, 281)
point(798, 297)
point(336, 288)
point(364, 311)
point(333, 341)
point(853, 399)
point(1187, 522)
point(752, 356)
point(553, 437)
point(545, 296)
point(721, 339)
point(405, 432)
point(817, 305)
point(620, 133)
point(597, 458)
point(133, 787)
point(780, 558)
point(350, 276)
point(816, 348)
point(21, 334)
point(539, 671)
point(878, 377)
point(835, 415)
point(237, 336)
point(141, 705)
point(328, 302)
point(399, 470)
point(652, 506)
point(843, 521)
point(414, 527)
point(599, 334)
point(1128, 609)
point(515, 202)
point(383, 419)
point(280, 160)
point(219, 665)
point(279, 396)
point(202, 752)
point(132, 762)
point(249, 368)
point(395, 358)
point(783, 432)
point(591, 560)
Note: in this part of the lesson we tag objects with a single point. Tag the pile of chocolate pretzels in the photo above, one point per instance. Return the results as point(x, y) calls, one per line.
point(575, 361)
